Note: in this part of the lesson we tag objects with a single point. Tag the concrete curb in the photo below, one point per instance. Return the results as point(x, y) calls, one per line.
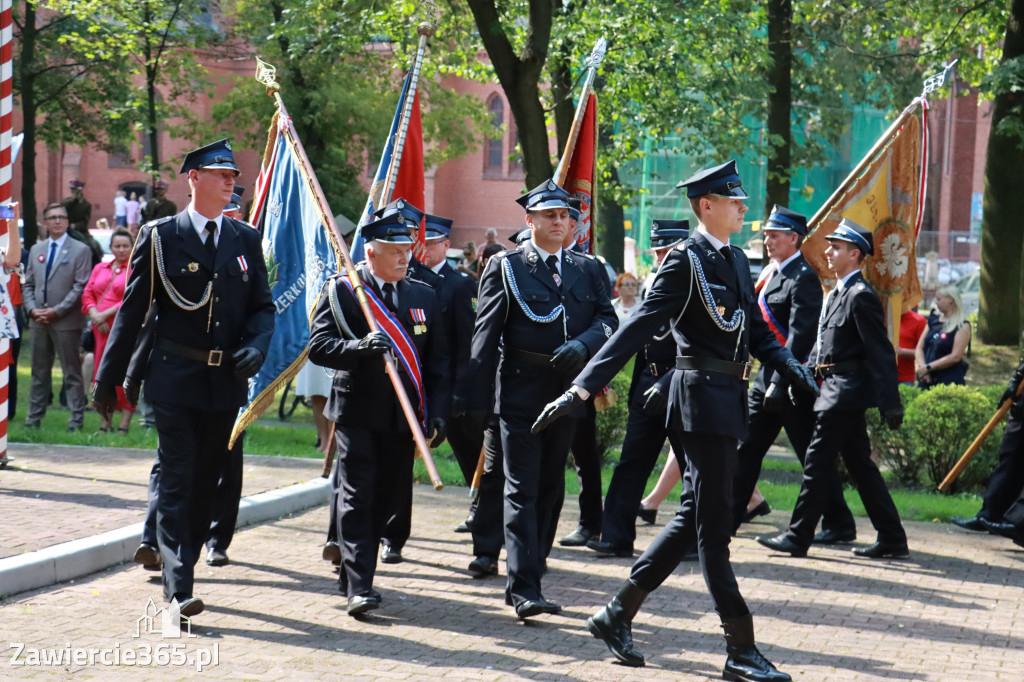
point(77, 558)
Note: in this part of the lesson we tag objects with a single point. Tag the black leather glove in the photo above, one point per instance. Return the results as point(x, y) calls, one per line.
point(776, 398)
point(104, 398)
point(893, 418)
point(374, 343)
point(437, 429)
point(1011, 389)
point(570, 357)
point(248, 361)
point(131, 391)
point(556, 409)
point(655, 400)
point(800, 376)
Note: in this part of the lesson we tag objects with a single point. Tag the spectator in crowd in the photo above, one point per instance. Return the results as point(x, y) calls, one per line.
point(101, 300)
point(58, 270)
point(489, 251)
point(9, 328)
point(941, 350)
point(132, 210)
point(912, 326)
point(120, 212)
point(471, 263)
point(490, 237)
point(628, 288)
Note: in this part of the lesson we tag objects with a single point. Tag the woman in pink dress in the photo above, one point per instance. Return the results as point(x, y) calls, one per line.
point(101, 301)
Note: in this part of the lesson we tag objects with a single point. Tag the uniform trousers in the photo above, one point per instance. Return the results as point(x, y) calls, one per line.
point(488, 528)
point(644, 440)
point(193, 447)
point(841, 432)
point(48, 343)
point(588, 469)
point(704, 519)
point(372, 474)
point(225, 502)
point(465, 443)
point(1007, 480)
point(534, 492)
point(763, 428)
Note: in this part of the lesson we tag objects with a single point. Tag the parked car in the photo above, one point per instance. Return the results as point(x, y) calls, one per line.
point(103, 237)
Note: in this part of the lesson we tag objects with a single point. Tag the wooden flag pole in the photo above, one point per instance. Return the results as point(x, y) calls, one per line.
point(266, 74)
point(596, 56)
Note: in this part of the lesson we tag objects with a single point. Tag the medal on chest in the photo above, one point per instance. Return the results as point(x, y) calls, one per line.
point(419, 319)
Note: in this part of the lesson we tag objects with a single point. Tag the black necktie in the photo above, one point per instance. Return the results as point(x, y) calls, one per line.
point(729, 257)
point(552, 263)
point(211, 245)
point(389, 296)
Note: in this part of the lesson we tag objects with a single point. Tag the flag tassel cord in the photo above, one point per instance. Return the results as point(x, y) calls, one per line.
point(266, 75)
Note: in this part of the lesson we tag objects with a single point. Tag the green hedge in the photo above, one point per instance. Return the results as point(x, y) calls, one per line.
point(939, 425)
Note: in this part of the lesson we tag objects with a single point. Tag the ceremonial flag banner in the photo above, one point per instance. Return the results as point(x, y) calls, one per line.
point(579, 178)
point(6, 164)
point(886, 195)
point(409, 184)
point(300, 254)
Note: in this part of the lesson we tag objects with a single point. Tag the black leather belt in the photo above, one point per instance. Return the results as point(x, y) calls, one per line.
point(657, 369)
point(822, 371)
point(541, 359)
point(740, 370)
point(212, 358)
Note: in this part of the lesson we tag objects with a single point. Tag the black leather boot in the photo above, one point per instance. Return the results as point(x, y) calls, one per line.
point(612, 624)
point(745, 663)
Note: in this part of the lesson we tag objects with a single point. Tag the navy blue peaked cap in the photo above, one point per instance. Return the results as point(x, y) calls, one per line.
point(782, 218)
point(666, 233)
point(722, 181)
point(849, 231)
point(545, 195)
point(215, 155)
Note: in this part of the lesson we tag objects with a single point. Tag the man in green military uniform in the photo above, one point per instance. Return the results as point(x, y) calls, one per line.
point(159, 206)
point(79, 215)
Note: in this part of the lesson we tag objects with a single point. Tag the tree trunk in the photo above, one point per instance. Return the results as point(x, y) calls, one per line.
point(28, 107)
point(1002, 240)
point(780, 80)
point(613, 220)
point(565, 110)
point(151, 121)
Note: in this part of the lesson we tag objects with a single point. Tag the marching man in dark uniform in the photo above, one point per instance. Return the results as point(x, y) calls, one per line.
point(857, 365)
point(159, 206)
point(79, 208)
point(373, 470)
point(547, 311)
point(206, 274)
point(645, 426)
point(704, 290)
point(789, 297)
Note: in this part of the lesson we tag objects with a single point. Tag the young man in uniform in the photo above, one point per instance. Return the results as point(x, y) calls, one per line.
point(547, 310)
point(206, 274)
point(373, 470)
point(789, 298)
point(857, 365)
point(704, 291)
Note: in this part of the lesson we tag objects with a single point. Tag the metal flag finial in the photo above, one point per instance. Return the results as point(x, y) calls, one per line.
point(429, 13)
point(267, 74)
point(933, 83)
point(597, 54)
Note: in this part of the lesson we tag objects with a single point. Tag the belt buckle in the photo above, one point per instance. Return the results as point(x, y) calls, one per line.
point(214, 359)
point(746, 371)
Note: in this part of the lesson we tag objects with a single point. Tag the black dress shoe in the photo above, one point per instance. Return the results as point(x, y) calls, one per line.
point(648, 516)
point(332, 553)
point(1004, 528)
point(782, 543)
point(974, 523)
point(361, 603)
point(190, 606)
point(536, 607)
point(834, 537)
point(577, 538)
point(483, 566)
point(390, 555)
point(883, 550)
point(215, 557)
point(466, 526)
point(608, 549)
point(760, 510)
point(149, 557)
point(613, 624)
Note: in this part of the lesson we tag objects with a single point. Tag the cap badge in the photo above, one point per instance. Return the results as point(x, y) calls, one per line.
point(227, 145)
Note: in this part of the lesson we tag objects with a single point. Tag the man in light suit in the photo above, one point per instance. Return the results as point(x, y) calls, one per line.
point(58, 270)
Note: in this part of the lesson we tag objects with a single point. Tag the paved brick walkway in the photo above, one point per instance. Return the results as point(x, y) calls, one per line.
point(953, 612)
point(55, 493)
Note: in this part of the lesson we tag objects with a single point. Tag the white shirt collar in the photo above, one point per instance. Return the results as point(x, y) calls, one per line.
point(842, 283)
point(437, 268)
point(715, 241)
point(380, 285)
point(786, 262)
point(544, 254)
point(59, 242)
point(199, 224)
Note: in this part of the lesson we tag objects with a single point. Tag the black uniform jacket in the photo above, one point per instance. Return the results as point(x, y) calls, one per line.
point(362, 394)
point(457, 297)
point(794, 299)
point(654, 364)
point(700, 401)
point(854, 331)
point(242, 314)
point(525, 387)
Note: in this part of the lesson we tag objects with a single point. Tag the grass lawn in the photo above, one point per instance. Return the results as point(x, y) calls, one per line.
point(295, 437)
